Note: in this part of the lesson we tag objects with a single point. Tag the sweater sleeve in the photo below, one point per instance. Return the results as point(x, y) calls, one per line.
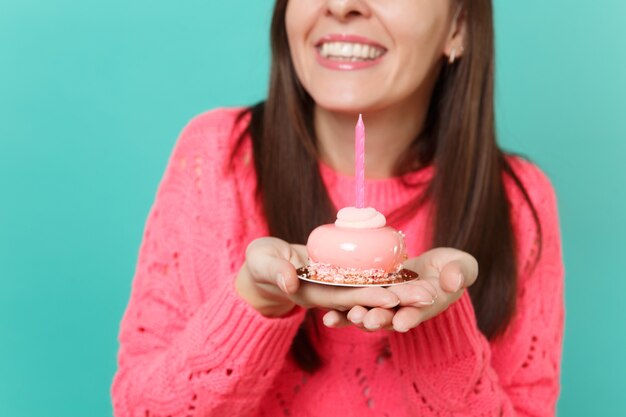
point(448, 366)
point(189, 345)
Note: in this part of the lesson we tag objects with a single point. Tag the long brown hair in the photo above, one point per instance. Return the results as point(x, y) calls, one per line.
point(459, 138)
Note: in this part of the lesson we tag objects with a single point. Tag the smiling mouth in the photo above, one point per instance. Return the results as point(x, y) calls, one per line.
point(350, 51)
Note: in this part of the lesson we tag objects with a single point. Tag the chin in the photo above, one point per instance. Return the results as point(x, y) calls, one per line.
point(338, 92)
point(346, 103)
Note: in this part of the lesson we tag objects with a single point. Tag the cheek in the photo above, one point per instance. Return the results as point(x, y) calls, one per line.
point(420, 45)
point(300, 17)
point(297, 24)
point(292, 23)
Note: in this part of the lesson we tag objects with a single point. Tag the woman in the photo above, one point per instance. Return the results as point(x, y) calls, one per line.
point(215, 329)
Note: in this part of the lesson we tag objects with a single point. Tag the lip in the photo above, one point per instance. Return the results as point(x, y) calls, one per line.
point(346, 65)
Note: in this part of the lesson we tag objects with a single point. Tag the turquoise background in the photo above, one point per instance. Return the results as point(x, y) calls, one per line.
point(94, 93)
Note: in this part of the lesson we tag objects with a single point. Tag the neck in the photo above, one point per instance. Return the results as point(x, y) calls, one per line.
point(389, 134)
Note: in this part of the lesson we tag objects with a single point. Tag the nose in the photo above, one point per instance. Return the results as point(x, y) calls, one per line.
point(345, 10)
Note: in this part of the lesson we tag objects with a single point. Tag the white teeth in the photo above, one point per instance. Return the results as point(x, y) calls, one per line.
point(350, 51)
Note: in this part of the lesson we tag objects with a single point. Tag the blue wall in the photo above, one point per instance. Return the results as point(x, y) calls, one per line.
point(94, 94)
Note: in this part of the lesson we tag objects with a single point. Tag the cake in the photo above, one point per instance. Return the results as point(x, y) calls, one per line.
point(359, 249)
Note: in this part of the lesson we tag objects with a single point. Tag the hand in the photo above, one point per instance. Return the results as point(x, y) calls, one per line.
point(444, 275)
point(268, 282)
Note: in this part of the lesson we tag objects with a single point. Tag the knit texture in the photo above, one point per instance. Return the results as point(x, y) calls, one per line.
point(191, 347)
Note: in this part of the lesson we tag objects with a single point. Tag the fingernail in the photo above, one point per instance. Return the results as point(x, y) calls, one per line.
point(391, 304)
point(424, 298)
point(329, 321)
point(401, 329)
point(370, 326)
point(459, 282)
point(281, 282)
point(356, 319)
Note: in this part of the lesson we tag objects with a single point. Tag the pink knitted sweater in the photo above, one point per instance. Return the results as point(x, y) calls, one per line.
point(189, 346)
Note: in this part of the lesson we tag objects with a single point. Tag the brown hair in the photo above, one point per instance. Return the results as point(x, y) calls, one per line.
point(459, 138)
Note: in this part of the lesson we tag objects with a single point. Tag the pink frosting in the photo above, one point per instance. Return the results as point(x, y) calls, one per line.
point(363, 249)
point(360, 218)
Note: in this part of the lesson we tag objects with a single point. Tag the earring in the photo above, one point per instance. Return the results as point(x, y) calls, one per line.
point(452, 56)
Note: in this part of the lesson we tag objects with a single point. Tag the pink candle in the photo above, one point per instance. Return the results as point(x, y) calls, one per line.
point(359, 162)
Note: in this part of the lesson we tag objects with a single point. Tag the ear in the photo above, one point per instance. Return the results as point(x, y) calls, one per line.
point(455, 41)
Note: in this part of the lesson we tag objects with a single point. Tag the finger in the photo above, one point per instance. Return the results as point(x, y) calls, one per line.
point(456, 275)
point(378, 318)
point(356, 314)
point(417, 293)
point(298, 258)
point(343, 299)
point(432, 263)
point(268, 261)
point(430, 287)
point(299, 255)
point(335, 319)
point(406, 318)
